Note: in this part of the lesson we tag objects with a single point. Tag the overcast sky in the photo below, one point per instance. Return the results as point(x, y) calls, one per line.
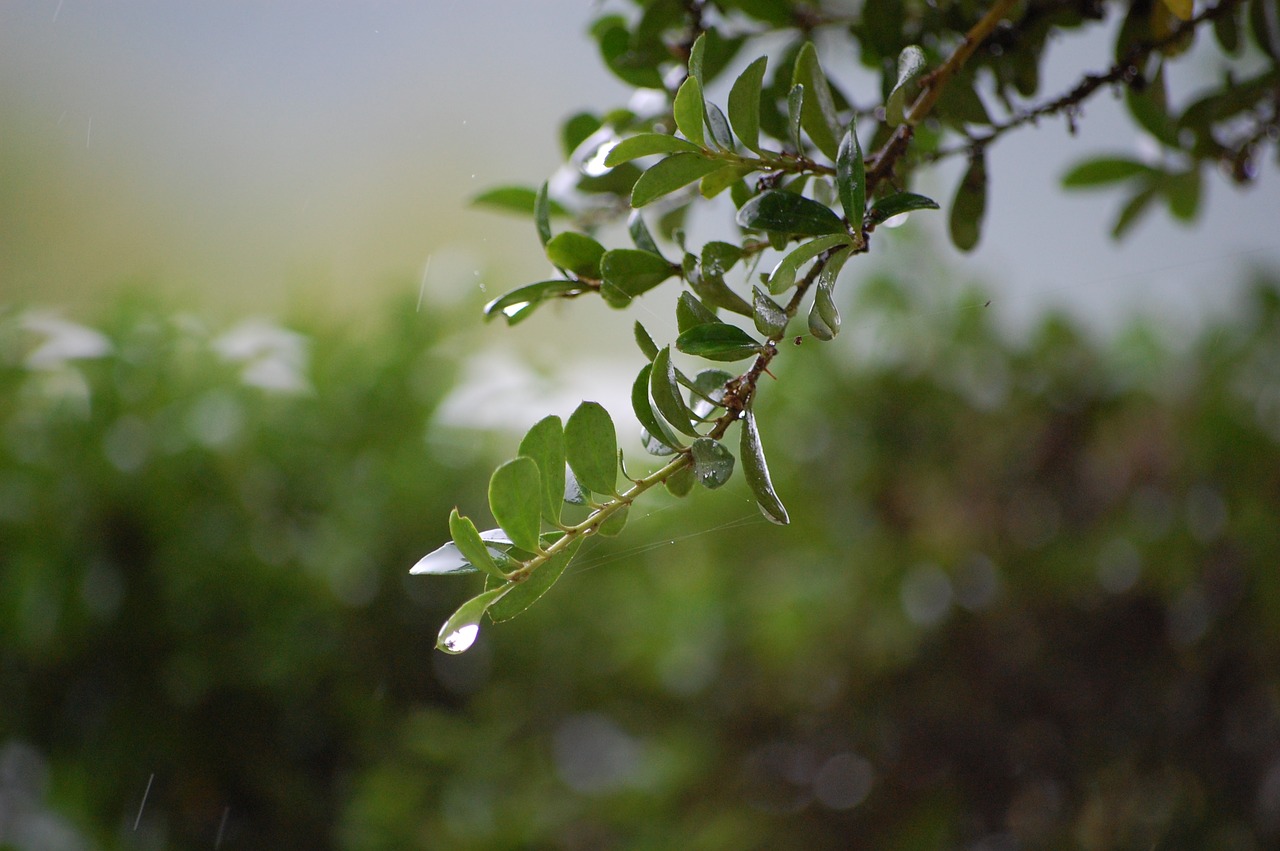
point(263, 149)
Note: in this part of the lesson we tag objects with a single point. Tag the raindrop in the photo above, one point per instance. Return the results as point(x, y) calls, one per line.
point(461, 639)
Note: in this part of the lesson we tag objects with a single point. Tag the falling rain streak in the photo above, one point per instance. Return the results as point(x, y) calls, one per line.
point(143, 805)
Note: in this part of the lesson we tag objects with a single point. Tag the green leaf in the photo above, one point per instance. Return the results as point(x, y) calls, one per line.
point(645, 414)
point(784, 274)
point(613, 525)
point(640, 234)
point(542, 214)
point(771, 320)
point(818, 114)
point(719, 257)
point(696, 54)
point(788, 213)
point(756, 470)
point(721, 135)
point(515, 498)
point(744, 104)
point(690, 312)
point(795, 113)
point(518, 304)
point(1132, 211)
point(721, 179)
point(544, 443)
point(628, 272)
point(668, 175)
point(515, 199)
point(665, 391)
point(690, 111)
point(1103, 171)
point(460, 630)
point(473, 549)
point(720, 342)
point(1182, 191)
point(591, 447)
point(824, 317)
point(712, 462)
point(897, 204)
point(970, 204)
point(851, 177)
point(576, 130)
point(647, 144)
point(647, 346)
point(681, 482)
point(707, 391)
point(576, 253)
point(524, 594)
point(910, 63)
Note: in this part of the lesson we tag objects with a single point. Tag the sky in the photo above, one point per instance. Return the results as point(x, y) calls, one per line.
point(258, 156)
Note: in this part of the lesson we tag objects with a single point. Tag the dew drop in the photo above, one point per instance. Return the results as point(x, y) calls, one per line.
point(461, 639)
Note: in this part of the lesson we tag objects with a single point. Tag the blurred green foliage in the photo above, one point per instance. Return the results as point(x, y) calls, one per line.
point(1028, 599)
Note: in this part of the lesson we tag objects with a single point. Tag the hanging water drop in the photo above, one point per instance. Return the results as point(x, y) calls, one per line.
point(461, 639)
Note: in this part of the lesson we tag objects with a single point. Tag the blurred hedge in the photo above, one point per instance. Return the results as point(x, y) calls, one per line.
point(1028, 599)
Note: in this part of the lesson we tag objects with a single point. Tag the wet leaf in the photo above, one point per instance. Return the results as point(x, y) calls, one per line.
point(591, 447)
point(542, 214)
point(720, 342)
point(524, 594)
point(647, 144)
point(771, 320)
point(788, 213)
point(721, 135)
point(755, 468)
point(1182, 9)
point(690, 111)
point(647, 346)
point(690, 313)
point(666, 176)
point(795, 113)
point(818, 112)
point(515, 499)
point(970, 204)
point(469, 544)
point(744, 104)
point(712, 462)
point(696, 54)
point(460, 630)
point(640, 234)
point(665, 391)
point(824, 317)
point(783, 276)
point(897, 204)
point(642, 406)
point(851, 177)
point(576, 130)
point(517, 305)
point(446, 560)
point(628, 272)
point(576, 253)
point(910, 64)
point(544, 443)
point(707, 391)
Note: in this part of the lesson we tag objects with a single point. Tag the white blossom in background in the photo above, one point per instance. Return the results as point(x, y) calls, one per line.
point(63, 341)
point(273, 358)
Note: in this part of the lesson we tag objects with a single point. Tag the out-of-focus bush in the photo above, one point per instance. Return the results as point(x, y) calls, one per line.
point(1028, 599)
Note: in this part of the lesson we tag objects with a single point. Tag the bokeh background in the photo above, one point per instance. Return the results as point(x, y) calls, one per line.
point(1028, 599)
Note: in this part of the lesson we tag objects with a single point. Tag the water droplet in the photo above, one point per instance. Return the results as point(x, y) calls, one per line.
point(461, 639)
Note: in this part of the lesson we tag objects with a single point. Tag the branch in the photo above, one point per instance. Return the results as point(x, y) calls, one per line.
point(931, 89)
point(1124, 71)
